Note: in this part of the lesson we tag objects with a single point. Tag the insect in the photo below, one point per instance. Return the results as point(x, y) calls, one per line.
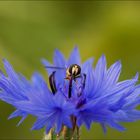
point(72, 73)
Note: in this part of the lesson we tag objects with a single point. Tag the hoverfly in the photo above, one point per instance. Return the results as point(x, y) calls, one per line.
point(72, 73)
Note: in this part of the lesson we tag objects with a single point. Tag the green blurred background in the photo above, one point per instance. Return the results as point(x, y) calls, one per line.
point(31, 30)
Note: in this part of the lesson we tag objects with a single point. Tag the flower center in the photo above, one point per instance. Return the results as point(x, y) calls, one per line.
point(81, 103)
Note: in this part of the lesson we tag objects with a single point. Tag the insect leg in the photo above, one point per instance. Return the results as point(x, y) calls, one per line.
point(52, 83)
point(84, 80)
point(70, 87)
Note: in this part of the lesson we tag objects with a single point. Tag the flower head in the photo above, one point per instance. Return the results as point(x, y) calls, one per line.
point(79, 94)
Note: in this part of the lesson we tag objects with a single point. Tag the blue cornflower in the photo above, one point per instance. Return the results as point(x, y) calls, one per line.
point(95, 94)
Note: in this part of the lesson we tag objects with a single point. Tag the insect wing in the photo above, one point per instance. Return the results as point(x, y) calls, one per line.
point(53, 67)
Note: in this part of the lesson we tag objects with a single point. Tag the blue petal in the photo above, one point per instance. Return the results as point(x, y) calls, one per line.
point(9, 70)
point(18, 113)
point(67, 121)
point(116, 126)
point(23, 118)
point(50, 125)
point(59, 59)
point(40, 122)
point(99, 73)
point(87, 69)
point(113, 74)
point(74, 57)
point(104, 127)
point(59, 124)
point(47, 63)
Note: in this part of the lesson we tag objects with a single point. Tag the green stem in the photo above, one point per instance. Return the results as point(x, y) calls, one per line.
point(66, 134)
point(50, 136)
point(76, 133)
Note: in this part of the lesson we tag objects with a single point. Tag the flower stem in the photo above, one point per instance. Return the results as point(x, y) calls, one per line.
point(50, 136)
point(66, 134)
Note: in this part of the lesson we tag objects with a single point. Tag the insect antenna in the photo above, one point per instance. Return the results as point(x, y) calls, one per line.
point(53, 67)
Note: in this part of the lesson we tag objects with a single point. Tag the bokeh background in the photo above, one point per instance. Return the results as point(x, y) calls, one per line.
point(31, 30)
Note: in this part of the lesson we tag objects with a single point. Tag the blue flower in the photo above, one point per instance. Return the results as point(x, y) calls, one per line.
point(97, 95)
